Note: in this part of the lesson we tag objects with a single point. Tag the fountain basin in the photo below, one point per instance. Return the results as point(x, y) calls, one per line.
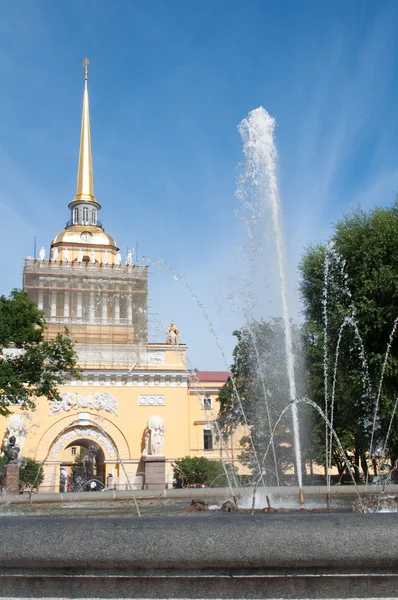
point(219, 556)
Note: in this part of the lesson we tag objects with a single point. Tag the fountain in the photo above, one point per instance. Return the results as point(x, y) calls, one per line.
point(210, 555)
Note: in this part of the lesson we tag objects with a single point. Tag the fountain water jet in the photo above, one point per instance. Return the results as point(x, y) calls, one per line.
point(257, 132)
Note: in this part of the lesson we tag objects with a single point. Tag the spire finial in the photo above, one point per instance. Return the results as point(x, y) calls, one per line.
point(85, 64)
point(85, 183)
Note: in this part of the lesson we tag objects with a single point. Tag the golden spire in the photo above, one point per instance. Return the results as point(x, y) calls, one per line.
point(85, 183)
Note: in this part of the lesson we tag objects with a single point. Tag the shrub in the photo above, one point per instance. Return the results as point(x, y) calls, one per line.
point(199, 469)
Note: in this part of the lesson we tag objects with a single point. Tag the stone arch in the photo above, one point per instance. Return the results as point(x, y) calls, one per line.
point(92, 423)
point(86, 432)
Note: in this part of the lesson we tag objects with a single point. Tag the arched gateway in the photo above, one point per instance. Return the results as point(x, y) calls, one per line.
point(57, 449)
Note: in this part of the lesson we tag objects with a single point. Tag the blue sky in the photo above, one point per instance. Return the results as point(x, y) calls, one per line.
point(169, 83)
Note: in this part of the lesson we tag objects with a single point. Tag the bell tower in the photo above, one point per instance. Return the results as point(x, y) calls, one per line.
point(84, 284)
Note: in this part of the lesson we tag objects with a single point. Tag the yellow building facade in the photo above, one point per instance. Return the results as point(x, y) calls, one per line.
point(136, 402)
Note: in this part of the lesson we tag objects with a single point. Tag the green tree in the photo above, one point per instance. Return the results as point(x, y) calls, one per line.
point(257, 393)
point(31, 475)
point(30, 366)
point(199, 469)
point(361, 298)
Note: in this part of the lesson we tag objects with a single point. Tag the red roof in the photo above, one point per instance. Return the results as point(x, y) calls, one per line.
point(207, 376)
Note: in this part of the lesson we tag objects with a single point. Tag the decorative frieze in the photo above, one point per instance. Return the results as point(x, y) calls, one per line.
point(150, 400)
point(72, 400)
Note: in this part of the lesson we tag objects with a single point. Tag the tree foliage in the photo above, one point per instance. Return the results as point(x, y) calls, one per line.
point(30, 366)
point(256, 394)
point(198, 469)
point(31, 475)
point(361, 297)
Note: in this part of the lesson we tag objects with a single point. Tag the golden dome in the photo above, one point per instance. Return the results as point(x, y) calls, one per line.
point(95, 236)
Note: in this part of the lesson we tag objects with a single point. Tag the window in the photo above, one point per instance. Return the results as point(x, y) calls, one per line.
point(73, 450)
point(75, 215)
point(85, 215)
point(206, 402)
point(207, 439)
point(94, 217)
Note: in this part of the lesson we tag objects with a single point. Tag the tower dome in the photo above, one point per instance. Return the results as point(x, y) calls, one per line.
point(84, 232)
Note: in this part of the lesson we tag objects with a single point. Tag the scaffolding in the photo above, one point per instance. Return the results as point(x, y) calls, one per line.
point(104, 307)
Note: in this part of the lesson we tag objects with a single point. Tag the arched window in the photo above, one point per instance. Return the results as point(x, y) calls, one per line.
point(85, 215)
point(94, 216)
point(75, 215)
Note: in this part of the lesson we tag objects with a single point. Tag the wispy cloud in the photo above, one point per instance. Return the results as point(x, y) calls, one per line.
point(336, 127)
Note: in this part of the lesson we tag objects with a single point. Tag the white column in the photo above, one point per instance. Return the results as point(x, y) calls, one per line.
point(117, 308)
point(53, 302)
point(104, 308)
point(79, 305)
point(40, 300)
point(129, 310)
point(66, 305)
point(92, 307)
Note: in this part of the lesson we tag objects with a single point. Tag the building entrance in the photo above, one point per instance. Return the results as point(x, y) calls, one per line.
point(85, 470)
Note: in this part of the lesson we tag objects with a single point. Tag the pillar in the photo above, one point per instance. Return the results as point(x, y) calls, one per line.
point(79, 305)
point(129, 310)
point(53, 303)
point(40, 300)
point(105, 308)
point(92, 307)
point(117, 308)
point(66, 304)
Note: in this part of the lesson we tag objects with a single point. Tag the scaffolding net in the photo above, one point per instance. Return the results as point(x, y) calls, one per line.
point(104, 307)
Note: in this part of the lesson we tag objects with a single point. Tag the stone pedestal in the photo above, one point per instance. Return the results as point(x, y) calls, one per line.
point(10, 483)
point(155, 472)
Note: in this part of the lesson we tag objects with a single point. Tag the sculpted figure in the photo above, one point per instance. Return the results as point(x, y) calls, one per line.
point(54, 254)
point(42, 253)
point(66, 255)
point(80, 256)
point(92, 256)
point(67, 403)
point(172, 334)
point(154, 437)
point(129, 259)
point(84, 401)
point(105, 402)
point(11, 450)
point(105, 258)
point(118, 258)
point(16, 428)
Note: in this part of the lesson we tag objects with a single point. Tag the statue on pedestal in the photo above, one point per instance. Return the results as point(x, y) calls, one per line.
point(154, 437)
point(105, 258)
point(92, 256)
point(172, 334)
point(129, 259)
point(54, 254)
point(80, 256)
point(118, 258)
point(11, 451)
point(42, 253)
